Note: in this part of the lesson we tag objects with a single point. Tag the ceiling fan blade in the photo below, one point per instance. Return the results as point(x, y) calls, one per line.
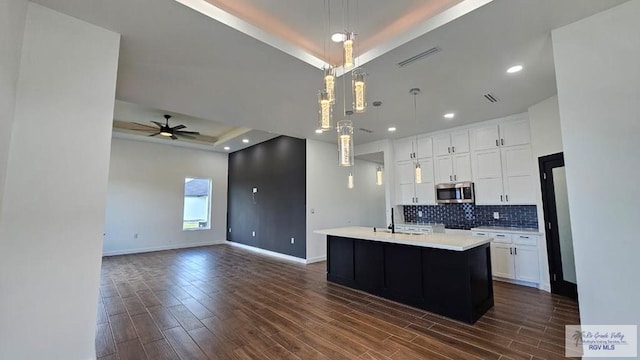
point(174, 137)
point(187, 132)
point(146, 127)
point(186, 136)
point(154, 134)
point(157, 123)
point(178, 127)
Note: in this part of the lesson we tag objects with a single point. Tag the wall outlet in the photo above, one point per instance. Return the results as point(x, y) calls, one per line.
point(313, 211)
point(135, 235)
point(255, 190)
point(496, 215)
point(419, 213)
point(293, 240)
point(229, 229)
point(253, 233)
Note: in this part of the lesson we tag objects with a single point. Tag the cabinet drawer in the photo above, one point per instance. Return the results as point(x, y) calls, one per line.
point(501, 238)
point(525, 240)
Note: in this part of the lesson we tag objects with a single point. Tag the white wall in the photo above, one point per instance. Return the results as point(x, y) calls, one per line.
point(12, 18)
point(599, 96)
point(53, 210)
point(386, 147)
point(329, 202)
point(546, 139)
point(146, 196)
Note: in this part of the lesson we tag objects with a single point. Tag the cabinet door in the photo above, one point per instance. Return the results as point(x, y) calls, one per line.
point(502, 262)
point(487, 174)
point(444, 169)
point(442, 144)
point(403, 149)
point(405, 192)
point(424, 147)
point(485, 138)
point(519, 184)
point(526, 263)
point(460, 142)
point(515, 132)
point(425, 191)
point(489, 191)
point(461, 167)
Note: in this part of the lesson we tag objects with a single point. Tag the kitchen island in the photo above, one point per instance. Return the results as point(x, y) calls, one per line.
point(448, 274)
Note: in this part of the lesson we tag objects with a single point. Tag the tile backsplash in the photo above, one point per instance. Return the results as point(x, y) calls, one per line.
point(467, 216)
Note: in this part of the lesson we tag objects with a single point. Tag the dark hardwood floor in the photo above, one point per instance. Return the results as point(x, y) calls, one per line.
point(221, 302)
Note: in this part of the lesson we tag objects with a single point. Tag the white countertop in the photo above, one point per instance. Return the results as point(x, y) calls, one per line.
point(455, 242)
point(510, 230)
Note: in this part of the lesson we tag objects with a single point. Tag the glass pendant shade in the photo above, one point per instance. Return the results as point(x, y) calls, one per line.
point(347, 46)
point(330, 83)
point(359, 87)
point(325, 112)
point(379, 176)
point(418, 173)
point(345, 143)
point(350, 181)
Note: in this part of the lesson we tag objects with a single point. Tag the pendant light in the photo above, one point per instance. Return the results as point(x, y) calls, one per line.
point(330, 83)
point(350, 180)
point(418, 169)
point(359, 87)
point(379, 176)
point(345, 141)
point(325, 112)
point(347, 49)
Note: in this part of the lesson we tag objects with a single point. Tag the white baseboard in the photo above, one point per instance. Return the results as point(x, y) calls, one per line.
point(316, 259)
point(268, 252)
point(161, 248)
point(545, 287)
point(516, 282)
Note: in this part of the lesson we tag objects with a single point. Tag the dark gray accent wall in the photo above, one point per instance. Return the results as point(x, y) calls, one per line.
point(276, 212)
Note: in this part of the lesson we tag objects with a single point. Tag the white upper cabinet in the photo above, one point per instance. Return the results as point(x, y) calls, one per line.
point(424, 147)
point(403, 149)
point(413, 148)
point(507, 133)
point(407, 153)
point(452, 143)
point(515, 132)
point(504, 176)
point(410, 193)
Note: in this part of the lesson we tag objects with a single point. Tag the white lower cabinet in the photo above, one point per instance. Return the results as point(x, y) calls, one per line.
point(514, 256)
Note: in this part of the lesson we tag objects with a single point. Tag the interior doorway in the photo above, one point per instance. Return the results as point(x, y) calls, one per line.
point(557, 219)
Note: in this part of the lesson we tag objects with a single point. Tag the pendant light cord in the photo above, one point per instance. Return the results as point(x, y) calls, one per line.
point(415, 117)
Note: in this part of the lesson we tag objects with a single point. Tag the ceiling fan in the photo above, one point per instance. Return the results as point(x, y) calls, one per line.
point(172, 132)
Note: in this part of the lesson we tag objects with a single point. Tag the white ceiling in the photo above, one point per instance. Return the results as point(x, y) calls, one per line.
point(174, 58)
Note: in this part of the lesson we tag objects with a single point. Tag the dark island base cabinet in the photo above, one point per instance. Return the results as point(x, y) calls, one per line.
point(456, 284)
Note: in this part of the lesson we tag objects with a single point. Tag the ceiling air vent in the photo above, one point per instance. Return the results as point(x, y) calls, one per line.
point(491, 98)
point(422, 55)
point(366, 130)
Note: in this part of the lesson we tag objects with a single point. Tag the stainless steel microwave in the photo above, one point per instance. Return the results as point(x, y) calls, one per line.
point(451, 193)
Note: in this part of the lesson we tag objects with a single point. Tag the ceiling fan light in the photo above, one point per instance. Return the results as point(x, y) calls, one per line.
point(165, 133)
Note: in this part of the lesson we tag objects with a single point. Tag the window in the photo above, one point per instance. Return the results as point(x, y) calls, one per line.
point(197, 204)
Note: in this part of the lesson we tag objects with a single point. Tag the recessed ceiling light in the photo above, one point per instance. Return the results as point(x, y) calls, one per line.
point(514, 69)
point(227, 148)
point(246, 141)
point(391, 129)
point(337, 37)
point(318, 131)
point(449, 115)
